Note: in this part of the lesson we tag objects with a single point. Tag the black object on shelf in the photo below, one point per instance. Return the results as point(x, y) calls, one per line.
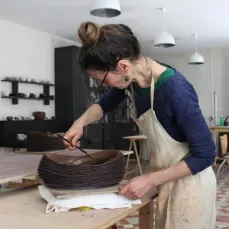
point(225, 121)
point(15, 94)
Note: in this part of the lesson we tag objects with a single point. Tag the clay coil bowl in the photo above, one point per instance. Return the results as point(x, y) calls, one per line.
point(82, 172)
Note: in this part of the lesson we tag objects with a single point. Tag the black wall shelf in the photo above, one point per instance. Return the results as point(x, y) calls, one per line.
point(27, 82)
point(46, 91)
point(17, 97)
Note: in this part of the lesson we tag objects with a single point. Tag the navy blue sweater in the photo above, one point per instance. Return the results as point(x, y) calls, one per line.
point(177, 109)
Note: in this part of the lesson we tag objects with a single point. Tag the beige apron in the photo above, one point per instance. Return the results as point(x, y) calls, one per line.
point(188, 203)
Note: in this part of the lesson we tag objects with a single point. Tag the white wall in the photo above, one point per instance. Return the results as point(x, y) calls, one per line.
point(28, 53)
point(216, 67)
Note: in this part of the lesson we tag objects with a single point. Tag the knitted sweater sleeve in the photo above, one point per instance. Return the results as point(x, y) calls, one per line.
point(188, 115)
point(111, 99)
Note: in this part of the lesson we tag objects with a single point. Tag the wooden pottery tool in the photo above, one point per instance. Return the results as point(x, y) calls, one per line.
point(75, 146)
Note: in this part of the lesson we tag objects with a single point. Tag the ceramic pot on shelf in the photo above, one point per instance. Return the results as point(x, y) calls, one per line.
point(39, 115)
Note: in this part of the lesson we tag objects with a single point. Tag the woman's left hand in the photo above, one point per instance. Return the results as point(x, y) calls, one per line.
point(137, 187)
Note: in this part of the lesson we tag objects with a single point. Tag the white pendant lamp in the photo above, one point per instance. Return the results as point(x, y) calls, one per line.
point(164, 40)
point(106, 8)
point(196, 58)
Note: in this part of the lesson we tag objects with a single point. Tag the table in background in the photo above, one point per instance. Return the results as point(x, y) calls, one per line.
point(216, 130)
point(219, 129)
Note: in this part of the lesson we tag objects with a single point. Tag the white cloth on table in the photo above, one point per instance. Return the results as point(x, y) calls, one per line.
point(95, 201)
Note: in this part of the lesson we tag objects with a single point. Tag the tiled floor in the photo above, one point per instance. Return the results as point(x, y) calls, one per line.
point(131, 222)
point(222, 220)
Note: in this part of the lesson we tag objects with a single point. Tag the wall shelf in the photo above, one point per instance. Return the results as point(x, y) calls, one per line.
point(27, 82)
point(46, 91)
point(17, 97)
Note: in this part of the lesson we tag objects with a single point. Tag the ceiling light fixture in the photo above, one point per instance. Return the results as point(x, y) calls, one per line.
point(196, 58)
point(164, 40)
point(106, 8)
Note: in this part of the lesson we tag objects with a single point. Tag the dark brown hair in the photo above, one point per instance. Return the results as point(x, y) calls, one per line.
point(102, 47)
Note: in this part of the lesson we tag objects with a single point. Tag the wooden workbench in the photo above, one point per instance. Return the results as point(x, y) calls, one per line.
point(216, 130)
point(25, 209)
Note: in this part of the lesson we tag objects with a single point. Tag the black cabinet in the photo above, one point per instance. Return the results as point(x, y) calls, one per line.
point(75, 91)
point(10, 129)
point(70, 87)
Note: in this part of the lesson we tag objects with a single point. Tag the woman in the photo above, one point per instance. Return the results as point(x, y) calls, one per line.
point(167, 111)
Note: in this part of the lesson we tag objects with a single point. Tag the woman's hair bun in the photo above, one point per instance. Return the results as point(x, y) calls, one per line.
point(89, 33)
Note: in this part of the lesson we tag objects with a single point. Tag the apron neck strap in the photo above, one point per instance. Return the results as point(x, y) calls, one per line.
point(149, 62)
point(152, 84)
point(152, 93)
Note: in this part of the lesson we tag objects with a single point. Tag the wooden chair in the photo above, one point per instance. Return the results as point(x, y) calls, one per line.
point(225, 154)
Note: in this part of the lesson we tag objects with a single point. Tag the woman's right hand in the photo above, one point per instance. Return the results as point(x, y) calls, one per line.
point(73, 135)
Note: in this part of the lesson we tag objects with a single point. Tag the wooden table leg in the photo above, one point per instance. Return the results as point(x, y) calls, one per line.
point(146, 217)
point(137, 156)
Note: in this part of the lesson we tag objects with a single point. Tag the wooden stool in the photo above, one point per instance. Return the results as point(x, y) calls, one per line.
point(127, 153)
point(133, 140)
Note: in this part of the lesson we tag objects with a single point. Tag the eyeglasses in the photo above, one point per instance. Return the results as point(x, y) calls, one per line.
point(104, 79)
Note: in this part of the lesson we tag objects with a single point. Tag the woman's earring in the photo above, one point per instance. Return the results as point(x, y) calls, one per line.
point(126, 78)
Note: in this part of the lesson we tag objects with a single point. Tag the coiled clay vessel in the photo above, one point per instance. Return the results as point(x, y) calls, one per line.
point(64, 172)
